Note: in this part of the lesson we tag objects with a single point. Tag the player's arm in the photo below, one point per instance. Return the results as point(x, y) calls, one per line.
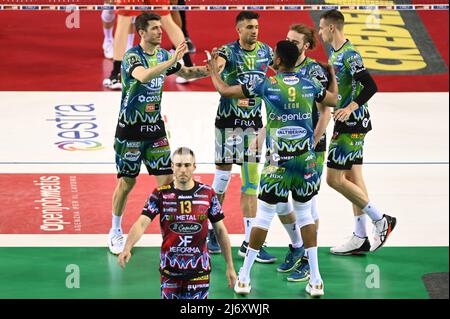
point(324, 119)
point(144, 75)
point(136, 232)
point(193, 72)
point(235, 91)
point(331, 95)
point(224, 242)
point(359, 74)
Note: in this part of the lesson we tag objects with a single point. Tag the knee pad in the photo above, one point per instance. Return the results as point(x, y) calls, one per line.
point(108, 16)
point(221, 181)
point(284, 209)
point(264, 215)
point(314, 209)
point(303, 213)
point(250, 178)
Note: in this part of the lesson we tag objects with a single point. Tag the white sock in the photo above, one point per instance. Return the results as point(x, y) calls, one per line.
point(294, 234)
point(130, 41)
point(250, 257)
point(210, 225)
point(313, 261)
point(373, 212)
point(108, 33)
point(360, 226)
point(248, 222)
point(314, 208)
point(116, 222)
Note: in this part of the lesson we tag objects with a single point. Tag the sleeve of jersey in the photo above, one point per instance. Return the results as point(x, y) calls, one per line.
point(320, 74)
point(215, 212)
point(131, 61)
point(321, 91)
point(225, 53)
point(353, 61)
point(254, 88)
point(152, 207)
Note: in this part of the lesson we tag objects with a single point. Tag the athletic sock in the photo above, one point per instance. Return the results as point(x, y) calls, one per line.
point(372, 212)
point(248, 222)
point(294, 234)
point(360, 226)
point(313, 261)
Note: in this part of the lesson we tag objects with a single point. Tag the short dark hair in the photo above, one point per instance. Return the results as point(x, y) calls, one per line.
point(288, 53)
point(334, 16)
point(309, 33)
point(142, 20)
point(184, 151)
point(246, 15)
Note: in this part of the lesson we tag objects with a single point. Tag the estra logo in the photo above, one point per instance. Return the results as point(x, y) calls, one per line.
point(77, 127)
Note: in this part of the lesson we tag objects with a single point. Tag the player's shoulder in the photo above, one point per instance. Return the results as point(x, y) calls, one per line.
point(349, 51)
point(263, 45)
point(201, 186)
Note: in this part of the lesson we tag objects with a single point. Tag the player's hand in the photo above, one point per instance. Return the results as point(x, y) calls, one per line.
point(231, 276)
point(180, 51)
point(342, 115)
point(124, 258)
point(212, 60)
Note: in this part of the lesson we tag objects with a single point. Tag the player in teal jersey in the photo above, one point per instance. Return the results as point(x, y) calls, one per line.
point(290, 158)
point(140, 133)
point(296, 260)
point(238, 121)
point(352, 122)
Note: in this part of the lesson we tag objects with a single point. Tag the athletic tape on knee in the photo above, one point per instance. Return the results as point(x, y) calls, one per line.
point(108, 16)
point(264, 215)
point(221, 181)
point(284, 209)
point(303, 213)
point(314, 208)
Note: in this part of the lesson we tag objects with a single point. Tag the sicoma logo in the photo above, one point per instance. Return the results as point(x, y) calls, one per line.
point(76, 125)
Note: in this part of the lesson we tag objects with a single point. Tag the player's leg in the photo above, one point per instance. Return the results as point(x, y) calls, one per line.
point(268, 199)
point(128, 162)
point(196, 288)
point(120, 43)
point(346, 150)
point(304, 188)
point(131, 34)
point(157, 160)
point(108, 26)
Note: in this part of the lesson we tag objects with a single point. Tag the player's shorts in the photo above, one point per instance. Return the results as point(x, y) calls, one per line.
point(196, 288)
point(320, 157)
point(345, 150)
point(297, 175)
point(154, 154)
point(232, 146)
point(132, 13)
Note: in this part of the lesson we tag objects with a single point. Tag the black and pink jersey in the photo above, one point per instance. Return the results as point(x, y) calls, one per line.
point(184, 227)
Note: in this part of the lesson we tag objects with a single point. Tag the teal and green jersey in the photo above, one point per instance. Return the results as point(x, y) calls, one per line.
point(140, 108)
point(349, 66)
point(289, 100)
point(242, 67)
point(311, 69)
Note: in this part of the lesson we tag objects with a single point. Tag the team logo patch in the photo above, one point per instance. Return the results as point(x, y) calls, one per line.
point(261, 53)
point(151, 107)
point(243, 103)
point(291, 132)
point(159, 56)
point(185, 228)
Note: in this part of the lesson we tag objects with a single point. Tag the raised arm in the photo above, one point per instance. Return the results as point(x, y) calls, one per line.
point(331, 95)
point(146, 74)
point(224, 89)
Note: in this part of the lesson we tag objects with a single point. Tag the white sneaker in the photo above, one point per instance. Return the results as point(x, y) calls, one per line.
point(382, 230)
point(113, 82)
point(108, 49)
point(242, 287)
point(116, 241)
point(315, 290)
point(181, 80)
point(354, 246)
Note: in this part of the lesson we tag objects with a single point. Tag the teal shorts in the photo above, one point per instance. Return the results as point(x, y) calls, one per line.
point(154, 154)
point(345, 150)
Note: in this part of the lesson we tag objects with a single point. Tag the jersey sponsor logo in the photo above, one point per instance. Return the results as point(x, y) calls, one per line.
point(169, 195)
point(170, 210)
point(151, 107)
point(307, 95)
point(185, 197)
point(133, 144)
point(185, 228)
point(166, 203)
point(160, 143)
point(248, 123)
point(290, 117)
point(200, 202)
point(291, 80)
point(148, 99)
point(234, 140)
point(273, 90)
point(150, 128)
point(185, 250)
point(273, 80)
point(262, 61)
point(185, 241)
point(246, 102)
point(291, 132)
point(351, 123)
point(132, 156)
point(276, 157)
point(200, 196)
point(273, 97)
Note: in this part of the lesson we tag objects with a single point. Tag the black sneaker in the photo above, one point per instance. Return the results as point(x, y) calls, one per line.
point(263, 256)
